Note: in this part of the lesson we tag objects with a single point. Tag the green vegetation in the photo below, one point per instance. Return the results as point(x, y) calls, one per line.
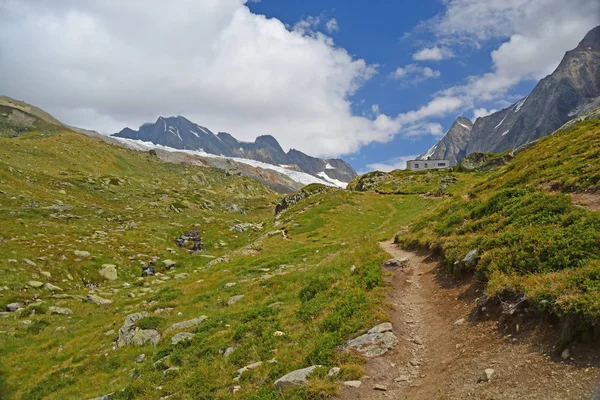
point(529, 234)
point(433, 182)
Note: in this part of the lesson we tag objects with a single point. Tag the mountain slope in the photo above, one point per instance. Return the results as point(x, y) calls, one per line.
point(452, 146)
point(180, 133)
point(571, 90)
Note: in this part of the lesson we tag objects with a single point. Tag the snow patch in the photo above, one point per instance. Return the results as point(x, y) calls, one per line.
point(497, 126)
point(300, 177)
point(463, 125)
point(429, 152)
point(329, 166)
point(520, 104)
point(504, 134)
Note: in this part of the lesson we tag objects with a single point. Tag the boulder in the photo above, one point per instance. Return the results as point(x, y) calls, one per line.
point(35, 284)
point(108, 272)
point(181, 337)
point(12, 307)
point(169, 264)
point(148, 269)
point(397, 263)
point(187, 324)
point(60, 310)
point(52, 288)
point(131, 334)
point(295, 378)
point(471, 258)
point(190, 240)
point(95, 299)
point(374, 343)
point(234, 299)
point(249, 367)
point(335, 371)
point(353, 384)
point(81, 254)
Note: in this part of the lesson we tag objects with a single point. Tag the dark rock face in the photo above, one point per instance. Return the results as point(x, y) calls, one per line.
point(570, 91)
point(190, 240)
point(452, 146)
point(180, 133)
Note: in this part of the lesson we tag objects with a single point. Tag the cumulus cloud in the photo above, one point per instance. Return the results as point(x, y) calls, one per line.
point(332, 25)
point(433, 54)
point(482, 112)
point(110, 64)
point(393, 164)
point(413, 73)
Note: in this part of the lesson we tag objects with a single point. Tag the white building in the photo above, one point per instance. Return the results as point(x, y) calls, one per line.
point(421, 165)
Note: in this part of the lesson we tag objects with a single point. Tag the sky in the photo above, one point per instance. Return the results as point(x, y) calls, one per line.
point(374, 82)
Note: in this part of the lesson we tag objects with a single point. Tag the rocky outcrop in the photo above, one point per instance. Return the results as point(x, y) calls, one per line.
point(483, 162)
point(295, 378)
point(376, 342)
point(131, 334)
point(187, 324)
point(295, 198)
point(452, 146)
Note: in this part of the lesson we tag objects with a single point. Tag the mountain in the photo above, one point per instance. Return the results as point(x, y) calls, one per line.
point(451, 146)
point(571, 90)
point(180, 133)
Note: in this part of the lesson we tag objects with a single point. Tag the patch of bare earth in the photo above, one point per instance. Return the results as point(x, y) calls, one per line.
point(438, 357)
point(590, 201)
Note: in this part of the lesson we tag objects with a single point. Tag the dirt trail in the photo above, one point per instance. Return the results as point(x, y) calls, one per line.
point(440, 357)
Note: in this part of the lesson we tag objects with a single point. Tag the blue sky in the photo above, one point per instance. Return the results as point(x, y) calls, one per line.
point(371, 81)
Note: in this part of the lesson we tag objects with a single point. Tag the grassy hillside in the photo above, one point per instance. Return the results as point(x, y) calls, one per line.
point(529, 227)
point(62, 195)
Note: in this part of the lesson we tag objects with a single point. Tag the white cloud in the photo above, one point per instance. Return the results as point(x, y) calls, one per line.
point(482, 112)
point(110, 64)
point(434, 129)
point(393, 164)
point(332, 25)
point(433, 54)
point(413, 73)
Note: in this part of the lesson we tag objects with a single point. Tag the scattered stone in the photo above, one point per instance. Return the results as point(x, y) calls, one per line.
point(243, 227)
point(417, 340)
point(81, 254)
point(353, 384)
point(471, 258)
point(105, 397)
point(335, 371)
point(295, 378)
point(566, 353)
point(12, 307)
point(95, 299)
point(459, 322)
point(181, 276)
point(171, 371)
point(230, 284)
point(487, 375)
point(131, 334)
point(131, 295)
point(190, 240)
point(234, 299)
point(249, 367)
point(278, 334)
point(187, 324)
point(276, 304)
point(60, 310)
point(108, 272)
point(234, 389)
point(181, 337)
point(109, 333)
point(374, 343)
point(228, 352)
point(402, 378)
point(140, 358)
point(52, 288)
point(352, 269)
point(381, 388)
point(29, 262)
point(46, 274)
point(35, 284)
point(169, 264)
point(397, 263)
point(272, 361)
point(148, 269)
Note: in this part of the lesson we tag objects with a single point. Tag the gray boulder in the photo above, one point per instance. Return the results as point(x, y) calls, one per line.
point(181, 337)
point(471, 258)
point(234, 299)
point(95, 299)
point(108, 272)
point(12, 307)
point(374, 343)
point(81, 254)
point(130, 334)
point(295, 378)
point(60, 310)
point(187, 324)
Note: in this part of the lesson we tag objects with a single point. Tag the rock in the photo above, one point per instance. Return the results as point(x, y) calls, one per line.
point(46, 274)
point(459, 322)
point(230, 284)
point(381, 328)
point(335, 371)
point(272, 361)
point(190, 240)
point(381, 388)
point(374, 344)
point(29, 262)
point(228, 352)
point(130, 334)
point(487, 375)
point(353, 384)
point(234, 299)
point(52, 288)
point(187, 324)
point(109, 332)
point(181, 276)
point(171, 371)
point(566, 353)
point(169, 264)
point(108, 272)
point(397, 263)
point(140, 358)
point(95, 299)
point(243, 227)
point(181, 337)
point(417, 340)
point(105, 397)
point(352, 269)
point(402, 378)
point(60, 310)
point(35, 284)
point(249, 367)
point(148, 269)
point(471, 258)
point(278, 334)
point(295, 378)
point(12, 307)
point(81, 254)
